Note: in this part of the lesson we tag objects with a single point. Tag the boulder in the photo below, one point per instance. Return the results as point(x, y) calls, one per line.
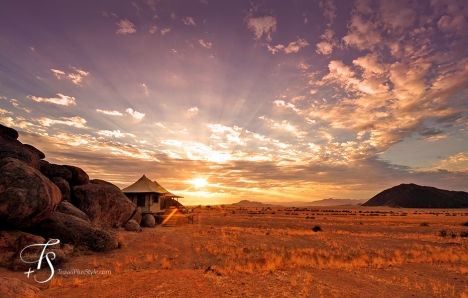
point(103, 202)
point(26, 196)
point(79, 177)
point(51, 170)
point(13, 288)
point(137, 215)
point(132, 226)
point(9, 132)
point(10, 147)
point(68, 208)
point(64, 187)
point(148, 221)
point(71, 229)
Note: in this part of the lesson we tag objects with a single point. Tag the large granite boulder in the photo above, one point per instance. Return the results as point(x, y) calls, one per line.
point(10, 147)
point(9, 132)
point(68, 208)
point(137, 215)
point(71, 229)
point(103, 202)
point(51, 170)
point(132, 226)
point(64, 187)
point(26, 196)
point(79, 177)
point(148, 221)
point(14, 288)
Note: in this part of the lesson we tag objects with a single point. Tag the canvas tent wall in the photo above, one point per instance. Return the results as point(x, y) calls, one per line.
point(150, 196)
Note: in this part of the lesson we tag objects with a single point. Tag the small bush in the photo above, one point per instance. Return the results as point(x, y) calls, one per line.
point(121, 241)
point(443, 233)
point(424, 224)
point(316, 229)
point(465, 224)
point(464, 234)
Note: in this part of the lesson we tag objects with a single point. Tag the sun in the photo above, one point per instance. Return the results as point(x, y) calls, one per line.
point(199, 182)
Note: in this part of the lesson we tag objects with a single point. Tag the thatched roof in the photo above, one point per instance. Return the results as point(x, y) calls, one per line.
point(145, 185)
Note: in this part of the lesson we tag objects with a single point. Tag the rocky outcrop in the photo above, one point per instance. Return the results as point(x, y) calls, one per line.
point(26, 196)
point(10, 147)
point(51, 170)
point(416, 196)
point(148, 221)
point(14, 288)
point(74, 230)
point(64, 187)
point(79, 177)
point(68, 208)
point(8, 132)
point(103, 202)
point(132, 226)
point(137, 215)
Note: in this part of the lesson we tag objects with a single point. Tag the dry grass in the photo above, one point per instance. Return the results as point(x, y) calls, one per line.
point(77, 282)
point(121, 241)
point(55, 282)
point(118, 267)
point(165, 264)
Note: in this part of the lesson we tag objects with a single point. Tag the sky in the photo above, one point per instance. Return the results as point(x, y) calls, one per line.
point(221, 101)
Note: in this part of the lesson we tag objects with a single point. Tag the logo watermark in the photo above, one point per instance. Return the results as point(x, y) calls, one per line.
point(49, 257)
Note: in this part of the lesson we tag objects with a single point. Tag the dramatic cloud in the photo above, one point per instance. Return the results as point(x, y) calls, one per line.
point(262, 25)
point(125, 27)
point(112, 113)
point(293, 47)
point(61, 99)
point(115, 133)
point(135, 114)
point(16, 104)
point(76, 121)
point(76, 77)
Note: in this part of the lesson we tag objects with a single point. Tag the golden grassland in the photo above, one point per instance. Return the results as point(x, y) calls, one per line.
point(283, 252)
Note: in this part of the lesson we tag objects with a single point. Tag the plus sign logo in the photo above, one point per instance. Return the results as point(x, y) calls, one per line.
point(47, 256)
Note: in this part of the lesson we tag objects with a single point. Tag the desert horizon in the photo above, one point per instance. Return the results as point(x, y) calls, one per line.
point(208, 148)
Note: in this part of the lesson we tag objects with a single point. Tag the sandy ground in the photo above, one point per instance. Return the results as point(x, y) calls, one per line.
point(255, 252)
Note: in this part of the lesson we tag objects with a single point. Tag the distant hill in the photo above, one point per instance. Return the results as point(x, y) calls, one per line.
point(324, 202)
point(247, 203)
point(416, 196)
point(335, 202)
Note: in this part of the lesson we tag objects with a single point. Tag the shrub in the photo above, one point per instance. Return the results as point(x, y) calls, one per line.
point(464, 234)
point(424, 224)
point(316, 229)
point(465, 224)
point(443, 233)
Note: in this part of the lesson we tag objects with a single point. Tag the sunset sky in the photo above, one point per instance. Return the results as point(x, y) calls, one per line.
point(264, 100)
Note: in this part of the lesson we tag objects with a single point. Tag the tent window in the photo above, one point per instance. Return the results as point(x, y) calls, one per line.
point(141, 201)
point(155, 198)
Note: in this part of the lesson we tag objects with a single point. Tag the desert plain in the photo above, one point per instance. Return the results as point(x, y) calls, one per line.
point(345, 251)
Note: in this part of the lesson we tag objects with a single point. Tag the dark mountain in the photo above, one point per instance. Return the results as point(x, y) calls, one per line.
point(416, 196)
point(335, 202)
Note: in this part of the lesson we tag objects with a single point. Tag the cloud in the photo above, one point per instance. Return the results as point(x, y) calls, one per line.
point(362, 34)
point(324, 48)
point(329, 10)
point(146, 89)
point(153, 29)
point(112, 113)
point(193, 111)
point(206, 45)
point(125, 27)
point(16, 104)
point(189, 21)
point(262, 25)
point(114, 133)
point(151, 4)
point(5, 112)
point(61, 99)
point(135, 114)
point(293, 47)
point(76, 77)
point(76, 121)
point(165, 30)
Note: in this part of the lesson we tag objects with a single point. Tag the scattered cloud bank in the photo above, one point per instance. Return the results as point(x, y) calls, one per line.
point(61, 99)
point(125, 27)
